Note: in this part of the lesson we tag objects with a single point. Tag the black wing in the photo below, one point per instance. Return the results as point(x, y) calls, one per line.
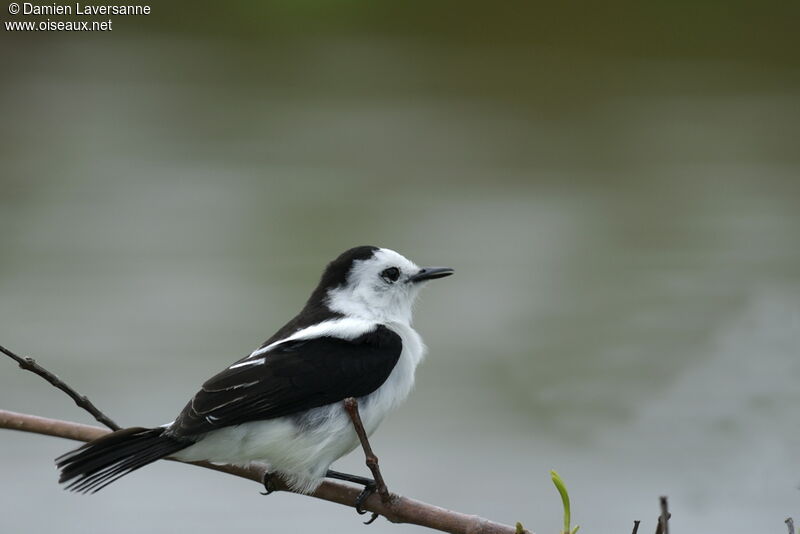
point(293, 377)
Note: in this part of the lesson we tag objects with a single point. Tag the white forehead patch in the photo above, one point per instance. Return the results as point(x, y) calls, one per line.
point(365, 270)
point(389, 258)
point(367, 296)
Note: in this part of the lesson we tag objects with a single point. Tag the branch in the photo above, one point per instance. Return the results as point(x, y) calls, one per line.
point(29, 364)
point(400, 510)
point(663, 520)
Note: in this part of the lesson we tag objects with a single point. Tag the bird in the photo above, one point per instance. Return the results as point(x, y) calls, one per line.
point(283, 404)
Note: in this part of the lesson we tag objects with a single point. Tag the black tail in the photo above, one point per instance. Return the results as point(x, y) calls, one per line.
point(102, 461)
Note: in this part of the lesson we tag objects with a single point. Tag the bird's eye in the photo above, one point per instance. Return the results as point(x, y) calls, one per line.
point(391, 274)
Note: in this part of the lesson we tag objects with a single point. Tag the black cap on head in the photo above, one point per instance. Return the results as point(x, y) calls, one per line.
point(335, 274)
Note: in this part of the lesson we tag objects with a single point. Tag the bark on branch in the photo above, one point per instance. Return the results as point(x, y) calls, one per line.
point(29, 364)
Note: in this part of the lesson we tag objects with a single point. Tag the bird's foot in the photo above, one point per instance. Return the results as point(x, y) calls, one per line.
point(269, 486)
point(370, 487)
point(368, 490)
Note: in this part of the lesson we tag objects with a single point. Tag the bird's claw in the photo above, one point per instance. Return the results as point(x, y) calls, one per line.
point(268, 485)
point(362, 497)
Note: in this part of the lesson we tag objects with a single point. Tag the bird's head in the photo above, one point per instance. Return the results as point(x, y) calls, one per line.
point(373, 283)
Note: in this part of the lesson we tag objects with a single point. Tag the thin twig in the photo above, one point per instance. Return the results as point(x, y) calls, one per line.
point(663, 519)
point(635, 527)
point(29, 364)
point(401, 510)
point(351, 405)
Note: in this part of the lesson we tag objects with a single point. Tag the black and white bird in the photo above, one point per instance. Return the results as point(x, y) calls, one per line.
point(282, 404)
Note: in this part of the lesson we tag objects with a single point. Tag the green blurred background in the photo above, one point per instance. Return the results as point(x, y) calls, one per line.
point(617, 186)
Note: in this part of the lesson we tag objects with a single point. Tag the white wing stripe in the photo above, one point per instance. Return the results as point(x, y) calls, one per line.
point(346, 328)
point(247, 362)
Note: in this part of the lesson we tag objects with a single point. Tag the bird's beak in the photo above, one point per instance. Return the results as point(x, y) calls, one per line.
point(430, 273)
